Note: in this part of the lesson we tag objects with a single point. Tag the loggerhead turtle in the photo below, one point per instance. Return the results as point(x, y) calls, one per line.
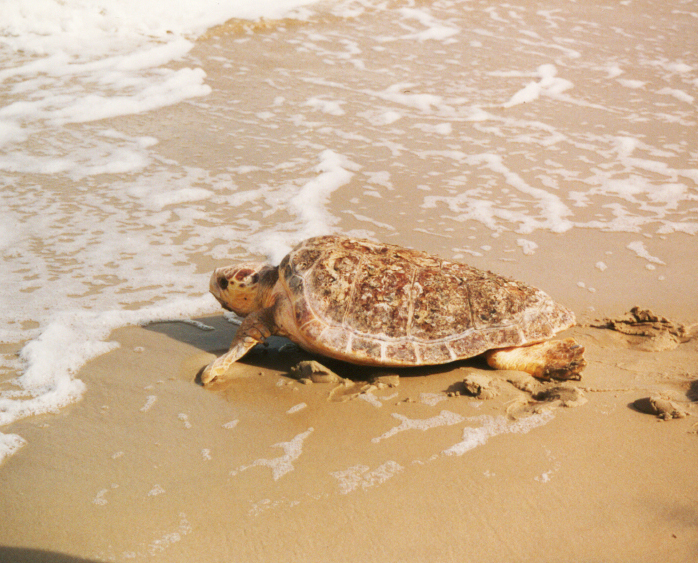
point(383, 305)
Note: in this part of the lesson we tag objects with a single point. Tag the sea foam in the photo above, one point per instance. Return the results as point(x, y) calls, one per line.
point(283, 464)
point(68, 67)
point(494, 426)
point(444, 418)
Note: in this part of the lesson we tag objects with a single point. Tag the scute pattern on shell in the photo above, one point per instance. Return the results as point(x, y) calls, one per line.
point(378, 303)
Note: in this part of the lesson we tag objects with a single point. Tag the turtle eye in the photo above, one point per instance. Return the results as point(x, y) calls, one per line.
point(223, 283)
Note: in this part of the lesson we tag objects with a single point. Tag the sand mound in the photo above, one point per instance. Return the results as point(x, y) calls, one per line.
point(649, 332)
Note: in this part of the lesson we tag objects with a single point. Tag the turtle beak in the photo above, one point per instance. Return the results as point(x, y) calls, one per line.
point(216, 292)
point(214, 286)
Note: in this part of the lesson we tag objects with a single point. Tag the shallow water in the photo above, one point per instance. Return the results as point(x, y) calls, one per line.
point(551, 139)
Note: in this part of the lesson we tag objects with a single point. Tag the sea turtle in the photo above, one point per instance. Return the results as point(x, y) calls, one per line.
point(383, 305)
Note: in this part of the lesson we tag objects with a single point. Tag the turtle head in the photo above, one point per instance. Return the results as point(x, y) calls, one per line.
point(243, 288)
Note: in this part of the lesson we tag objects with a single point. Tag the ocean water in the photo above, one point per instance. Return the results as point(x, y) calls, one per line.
point(140, 146)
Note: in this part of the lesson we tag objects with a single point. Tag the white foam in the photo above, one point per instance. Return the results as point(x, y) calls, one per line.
point(150, 401)
point(87, 84)
point(613, 70)
point(69, 341)
point(282, 465)
point(371, 399)
point(156, 490)
point(435, 29)
point(548, 85)
point(176, 87)
point(177, 197)
point(9, 445)
point(629, 83)
point(327, 106)
point(638, 247)
point(360, 476)
point(492, 11)
point(674, 66)
point(432, 399)
point(296, 408)
point(381, 117)
point(44, 27)
point(185, 419)
point(678, 94)
point(400, 93)
point(528, 247)
point(160, 544)
point(440, 128)
point(381, 178)
point(494, 426)
point(96, 59)
point(444, 418)
point(308, 204)
point(553, 215)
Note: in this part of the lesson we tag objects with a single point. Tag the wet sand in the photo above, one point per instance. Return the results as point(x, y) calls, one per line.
point(150, 465)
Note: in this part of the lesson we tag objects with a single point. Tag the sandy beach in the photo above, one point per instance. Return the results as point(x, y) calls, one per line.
point(150, 465)
point(550, 142)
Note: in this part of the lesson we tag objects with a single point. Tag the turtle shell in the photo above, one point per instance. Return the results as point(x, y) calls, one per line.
point(380, 304)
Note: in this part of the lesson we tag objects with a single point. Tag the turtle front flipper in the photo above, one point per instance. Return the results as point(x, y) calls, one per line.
point(554, 359)
point(255, 329)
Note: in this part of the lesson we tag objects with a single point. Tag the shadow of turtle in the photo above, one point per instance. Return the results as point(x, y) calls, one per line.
point(214, 334)
point(26, 555)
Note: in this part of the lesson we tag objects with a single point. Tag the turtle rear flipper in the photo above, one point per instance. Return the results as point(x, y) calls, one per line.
point(553, 359)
